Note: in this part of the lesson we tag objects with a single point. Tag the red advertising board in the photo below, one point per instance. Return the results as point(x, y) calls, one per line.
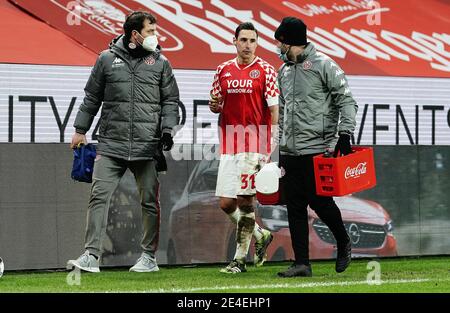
point(385, 37)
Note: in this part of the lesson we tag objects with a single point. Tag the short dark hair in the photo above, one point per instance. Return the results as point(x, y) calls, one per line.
point(135, 21)
point(245, 26)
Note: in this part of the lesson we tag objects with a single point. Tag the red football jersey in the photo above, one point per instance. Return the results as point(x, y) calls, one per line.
point(246, 92)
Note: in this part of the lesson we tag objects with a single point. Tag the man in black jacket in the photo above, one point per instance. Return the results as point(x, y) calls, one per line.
point(140, 99)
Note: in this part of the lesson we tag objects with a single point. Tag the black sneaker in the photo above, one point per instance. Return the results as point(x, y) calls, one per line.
point(297, 270)
point(344, 256)
point(234, 267)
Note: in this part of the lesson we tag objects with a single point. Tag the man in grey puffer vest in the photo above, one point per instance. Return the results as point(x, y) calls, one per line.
point(315, 105)
point(140, 99)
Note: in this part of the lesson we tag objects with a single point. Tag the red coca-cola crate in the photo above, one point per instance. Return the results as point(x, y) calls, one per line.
point(346, 174)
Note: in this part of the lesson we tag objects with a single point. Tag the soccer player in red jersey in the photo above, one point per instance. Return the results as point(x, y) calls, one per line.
point(245, 93)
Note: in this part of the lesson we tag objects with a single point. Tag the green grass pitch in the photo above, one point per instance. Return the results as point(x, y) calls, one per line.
point(399, 275)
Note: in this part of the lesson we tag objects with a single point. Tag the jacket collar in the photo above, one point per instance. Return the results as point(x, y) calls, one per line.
point(308, 53)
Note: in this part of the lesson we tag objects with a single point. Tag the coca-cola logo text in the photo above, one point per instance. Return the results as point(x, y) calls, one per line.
point(355, 172)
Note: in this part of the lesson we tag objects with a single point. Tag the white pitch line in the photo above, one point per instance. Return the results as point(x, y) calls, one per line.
point(278, 286)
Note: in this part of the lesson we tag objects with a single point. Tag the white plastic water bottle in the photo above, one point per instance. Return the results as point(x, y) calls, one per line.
point(267, 179)
point(267, 184)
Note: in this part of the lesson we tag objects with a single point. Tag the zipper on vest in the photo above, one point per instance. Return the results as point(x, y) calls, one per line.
point(293, 108)
point(131, 114)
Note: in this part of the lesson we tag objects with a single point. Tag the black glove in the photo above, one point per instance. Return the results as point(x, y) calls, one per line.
point(166, 141)
point(343, 145)
point(161, 163)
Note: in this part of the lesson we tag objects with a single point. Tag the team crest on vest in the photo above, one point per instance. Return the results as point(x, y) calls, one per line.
point(149, 60)
point(254, 74)
point(307, 65)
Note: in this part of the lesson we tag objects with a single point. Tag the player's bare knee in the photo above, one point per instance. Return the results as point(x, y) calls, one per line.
point(246, 204)
point(227, 205)
point(245, 209)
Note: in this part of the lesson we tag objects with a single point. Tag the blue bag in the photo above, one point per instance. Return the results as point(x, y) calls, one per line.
point(83, 163)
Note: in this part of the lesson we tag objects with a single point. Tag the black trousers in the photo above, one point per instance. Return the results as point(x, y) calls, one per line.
point(299, 191)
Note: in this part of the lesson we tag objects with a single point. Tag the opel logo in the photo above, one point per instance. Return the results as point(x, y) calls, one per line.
point(354, 233)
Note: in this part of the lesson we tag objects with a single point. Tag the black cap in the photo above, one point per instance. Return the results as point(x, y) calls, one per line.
point(292, 31)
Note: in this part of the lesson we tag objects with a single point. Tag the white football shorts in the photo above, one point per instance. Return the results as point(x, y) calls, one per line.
point(236, 176)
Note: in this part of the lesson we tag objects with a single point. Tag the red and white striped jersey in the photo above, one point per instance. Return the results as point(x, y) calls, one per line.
point(246, 92)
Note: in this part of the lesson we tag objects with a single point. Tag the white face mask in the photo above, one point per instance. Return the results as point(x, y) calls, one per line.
point(150, 42)
point(283, 56)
